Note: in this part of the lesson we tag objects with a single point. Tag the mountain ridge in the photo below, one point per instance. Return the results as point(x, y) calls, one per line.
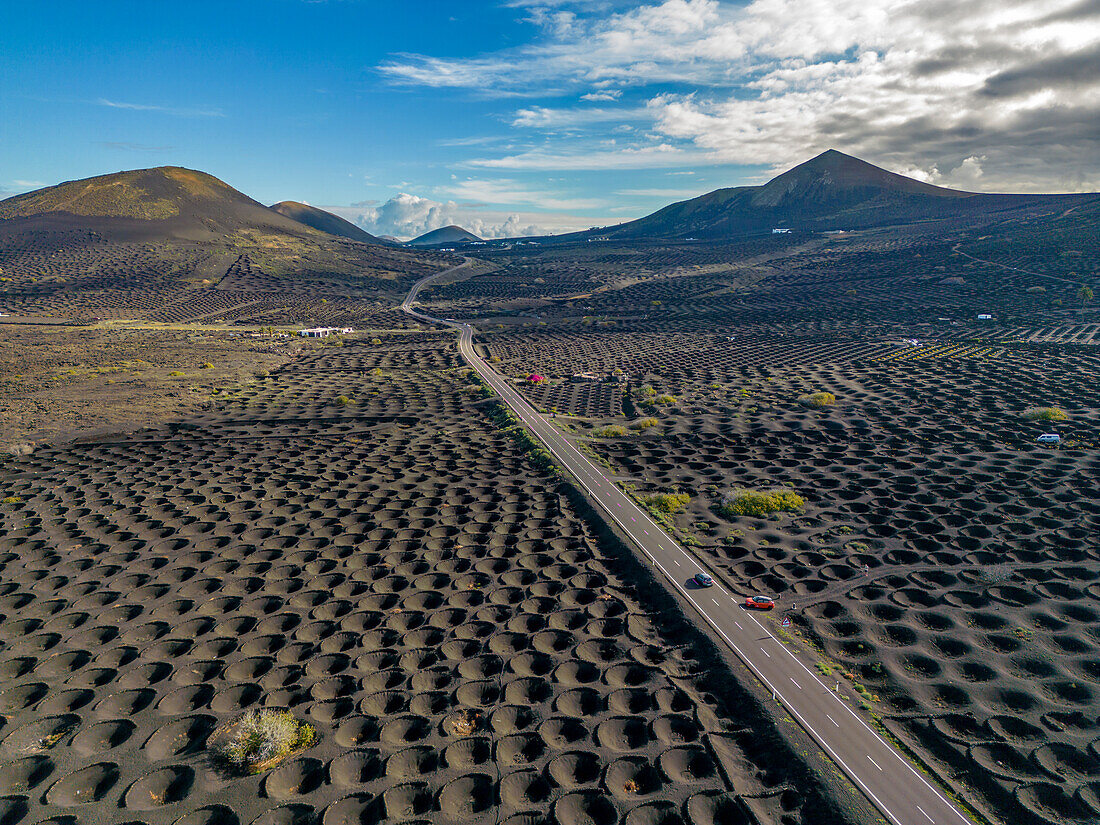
point(827, 192)
point(444, 234)
point(323, 221)
point(140, 204)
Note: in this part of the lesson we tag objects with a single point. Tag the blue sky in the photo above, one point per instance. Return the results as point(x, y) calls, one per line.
point(514, 116)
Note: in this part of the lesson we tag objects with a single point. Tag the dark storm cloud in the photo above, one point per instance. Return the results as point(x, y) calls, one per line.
point(961, 57)
point(1063, 71)
point(1082, 11)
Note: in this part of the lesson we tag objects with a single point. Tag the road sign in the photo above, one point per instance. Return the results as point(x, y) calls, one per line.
point(786, 621)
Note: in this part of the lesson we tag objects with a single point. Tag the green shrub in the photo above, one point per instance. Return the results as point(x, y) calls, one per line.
point(12, 500)
point(665, 399)
point(1045, 414)
point(342, 401)
point(261, 738)
point(644, 424)
point(817, 400)
point(614, 431)
point(760, 502)
point(207, 366)
point(667, 502)
point(375, 341)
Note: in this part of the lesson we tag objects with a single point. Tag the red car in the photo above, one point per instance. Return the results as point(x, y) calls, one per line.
point(759, 602)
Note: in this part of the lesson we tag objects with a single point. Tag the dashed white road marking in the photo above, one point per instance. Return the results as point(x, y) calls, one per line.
point(796, 684)
point(765, 653)
point(926, 816)
point(831, 719)
point(873, 762)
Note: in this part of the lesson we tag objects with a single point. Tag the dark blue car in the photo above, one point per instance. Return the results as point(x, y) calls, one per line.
point(703, 580)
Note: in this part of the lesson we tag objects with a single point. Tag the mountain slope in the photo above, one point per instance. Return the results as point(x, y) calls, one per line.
point(322, 221)
point(830, 191)
point(444, 235)
point(163, 202)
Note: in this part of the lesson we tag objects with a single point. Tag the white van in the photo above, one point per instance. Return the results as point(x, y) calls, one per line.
point(1049, 438)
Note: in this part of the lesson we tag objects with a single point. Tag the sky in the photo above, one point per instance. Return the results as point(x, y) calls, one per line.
point(513, 117)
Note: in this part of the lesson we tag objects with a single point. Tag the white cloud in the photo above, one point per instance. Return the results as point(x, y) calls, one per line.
point(610, 94)
point(168, 110)
point(585, 157)
point(407, 216)
point(915, 85)
point(506, 191)
point(660, 193)
point(540, 117)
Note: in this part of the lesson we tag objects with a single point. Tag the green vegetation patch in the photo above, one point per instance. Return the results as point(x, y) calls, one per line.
point(817, 400)
point(742, 502)
point(643, 424)
point(1045, 414)
point(613, 431)
point(261, 739)
point(668, 503)
point(511, 426)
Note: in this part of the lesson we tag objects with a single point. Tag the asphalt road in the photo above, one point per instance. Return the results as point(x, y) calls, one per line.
point(888, 779)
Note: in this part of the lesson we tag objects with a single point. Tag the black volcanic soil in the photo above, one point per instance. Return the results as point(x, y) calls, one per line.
point(945, 566)
point(393, 573)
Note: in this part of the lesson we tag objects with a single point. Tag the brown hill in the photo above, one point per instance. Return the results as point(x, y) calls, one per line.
point(146, 204)
point(323, 221)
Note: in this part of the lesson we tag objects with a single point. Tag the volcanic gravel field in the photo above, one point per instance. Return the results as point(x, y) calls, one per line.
point(392, 571)
point(80, 275)
point(945, 566)
point(944, 561)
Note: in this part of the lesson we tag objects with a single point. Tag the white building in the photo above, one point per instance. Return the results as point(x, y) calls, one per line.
point(324, 332)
